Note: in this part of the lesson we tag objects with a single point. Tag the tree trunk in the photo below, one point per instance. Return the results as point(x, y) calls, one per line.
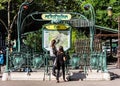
point(9, 31)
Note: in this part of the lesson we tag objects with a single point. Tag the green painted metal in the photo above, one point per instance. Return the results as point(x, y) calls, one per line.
point(104, 67)
point(46, 36)
point(107, 29)
point(96, 60)
point(46, 60)
point(18, 61)
point(85, 62)
point(92, 28)
point(37, 61)
point(19, 23)
point(75, 61)
point(46, 67)
point(6, 67)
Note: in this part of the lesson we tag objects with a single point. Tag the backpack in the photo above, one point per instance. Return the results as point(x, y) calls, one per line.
point(1, 59)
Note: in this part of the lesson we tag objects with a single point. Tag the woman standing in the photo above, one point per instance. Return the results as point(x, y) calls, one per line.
point(53, 53)
point(60, 63)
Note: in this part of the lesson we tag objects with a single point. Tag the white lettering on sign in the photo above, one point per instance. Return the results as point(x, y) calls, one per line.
point(56, 16)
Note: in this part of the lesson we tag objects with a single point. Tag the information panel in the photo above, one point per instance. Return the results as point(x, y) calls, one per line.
point(62, 37)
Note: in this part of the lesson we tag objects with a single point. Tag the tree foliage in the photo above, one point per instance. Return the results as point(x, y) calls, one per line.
point(100, 9)
point(34, 40)
point(1, 3)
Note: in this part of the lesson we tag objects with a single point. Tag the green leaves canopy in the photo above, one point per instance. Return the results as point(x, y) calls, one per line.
point(100, 8)
point(2, 2)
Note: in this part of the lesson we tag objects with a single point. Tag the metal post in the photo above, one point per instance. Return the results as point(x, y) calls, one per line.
point(104, 64)
point(118, 52)
point(18, 38)
point(92, 24)
point(7, 53)
point(92, 28)
point(46, 56)
point(18, 27)
point(19, 22)
point(110, 17)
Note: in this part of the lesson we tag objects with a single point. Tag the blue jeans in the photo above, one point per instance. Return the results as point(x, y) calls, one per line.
point(54, 67)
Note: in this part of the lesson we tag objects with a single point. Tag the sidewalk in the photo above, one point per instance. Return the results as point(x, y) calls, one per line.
point(114, 72)
point(113, 68)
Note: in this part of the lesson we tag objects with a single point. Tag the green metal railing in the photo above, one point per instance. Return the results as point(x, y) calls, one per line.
point(98, 61)
point(29, 61)
point(19, 61)
point(93, 61)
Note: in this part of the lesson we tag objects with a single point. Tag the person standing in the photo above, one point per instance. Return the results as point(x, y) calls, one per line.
point(60, 61)
point(53, 53)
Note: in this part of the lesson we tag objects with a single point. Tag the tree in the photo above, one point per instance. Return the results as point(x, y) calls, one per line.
point(7, 5)
point(2, 7)
point(100, 7)
point(1, 3)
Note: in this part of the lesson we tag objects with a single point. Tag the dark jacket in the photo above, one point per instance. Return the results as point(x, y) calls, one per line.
point(60, 56)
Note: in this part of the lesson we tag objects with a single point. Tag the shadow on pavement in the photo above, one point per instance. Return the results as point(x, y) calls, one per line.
point(114, 76)
point(76, 77)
